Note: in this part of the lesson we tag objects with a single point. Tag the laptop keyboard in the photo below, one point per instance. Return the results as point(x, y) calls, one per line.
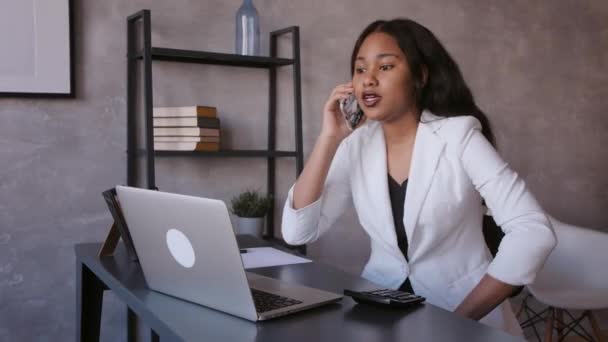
point(265, 301)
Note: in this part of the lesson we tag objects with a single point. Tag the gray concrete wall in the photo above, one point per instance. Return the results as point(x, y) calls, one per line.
point(538, 68)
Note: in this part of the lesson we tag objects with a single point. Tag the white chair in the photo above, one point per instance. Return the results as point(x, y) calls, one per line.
point(574, 277)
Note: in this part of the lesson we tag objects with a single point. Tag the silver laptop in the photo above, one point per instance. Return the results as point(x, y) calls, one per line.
point(187, 249)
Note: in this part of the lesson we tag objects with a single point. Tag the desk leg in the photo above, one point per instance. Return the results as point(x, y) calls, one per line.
point(131, 325)
point(154, 336)
point(89, 299)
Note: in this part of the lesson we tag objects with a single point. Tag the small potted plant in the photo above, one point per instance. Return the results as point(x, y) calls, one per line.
point(250, 208)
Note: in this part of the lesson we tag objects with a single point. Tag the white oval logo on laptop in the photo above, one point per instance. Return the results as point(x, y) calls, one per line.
point(180, 248)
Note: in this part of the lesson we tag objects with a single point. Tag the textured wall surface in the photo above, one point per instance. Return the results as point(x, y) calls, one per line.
point(538, 68)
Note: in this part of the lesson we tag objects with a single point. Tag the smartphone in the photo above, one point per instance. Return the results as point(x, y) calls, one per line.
point(351, 111)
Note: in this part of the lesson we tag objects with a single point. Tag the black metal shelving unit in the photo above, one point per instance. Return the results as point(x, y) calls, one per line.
point(140, 50)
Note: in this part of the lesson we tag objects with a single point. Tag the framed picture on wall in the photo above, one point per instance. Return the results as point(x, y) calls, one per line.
point(36, 41)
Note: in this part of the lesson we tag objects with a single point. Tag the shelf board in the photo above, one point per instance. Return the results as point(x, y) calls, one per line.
point(204, 57)
point(226, 153)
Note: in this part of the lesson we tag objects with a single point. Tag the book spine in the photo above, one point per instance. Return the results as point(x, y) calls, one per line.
point(208, 122)
point(186, 131)
point(187, 146)
point(201, 122)
point(186, 139)
point(207, 146)
point(201, 111)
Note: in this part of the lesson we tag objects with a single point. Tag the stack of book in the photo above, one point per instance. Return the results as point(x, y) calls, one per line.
point(195, 128)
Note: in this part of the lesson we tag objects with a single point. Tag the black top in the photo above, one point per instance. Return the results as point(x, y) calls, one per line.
point(397, 194)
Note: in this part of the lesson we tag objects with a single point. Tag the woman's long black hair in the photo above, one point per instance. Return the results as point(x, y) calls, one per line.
point(445, 92)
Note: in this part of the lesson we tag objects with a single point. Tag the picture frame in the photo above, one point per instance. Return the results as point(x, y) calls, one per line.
point(38, 51)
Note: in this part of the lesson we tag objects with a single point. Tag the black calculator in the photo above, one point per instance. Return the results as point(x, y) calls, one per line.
point(385, 297)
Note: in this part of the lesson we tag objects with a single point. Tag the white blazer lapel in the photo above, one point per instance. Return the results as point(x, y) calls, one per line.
point(376, 184)
point(427, 150)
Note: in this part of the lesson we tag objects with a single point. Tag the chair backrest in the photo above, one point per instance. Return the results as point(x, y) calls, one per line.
point(578, 262)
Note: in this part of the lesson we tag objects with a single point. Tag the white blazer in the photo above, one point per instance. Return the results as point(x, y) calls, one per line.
point(453, 166)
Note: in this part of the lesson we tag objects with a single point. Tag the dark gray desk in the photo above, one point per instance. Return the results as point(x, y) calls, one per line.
point(176, 320)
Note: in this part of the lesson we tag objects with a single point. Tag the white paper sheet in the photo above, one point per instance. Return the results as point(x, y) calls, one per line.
point(268, 256)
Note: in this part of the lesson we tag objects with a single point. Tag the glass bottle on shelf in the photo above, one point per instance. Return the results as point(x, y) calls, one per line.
point(247, 21)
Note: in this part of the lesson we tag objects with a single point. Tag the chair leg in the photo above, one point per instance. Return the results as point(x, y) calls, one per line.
point(594, 326)
point(559, 323)
point(549, 325)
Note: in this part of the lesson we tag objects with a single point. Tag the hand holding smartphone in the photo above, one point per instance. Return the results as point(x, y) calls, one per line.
point(351, 111)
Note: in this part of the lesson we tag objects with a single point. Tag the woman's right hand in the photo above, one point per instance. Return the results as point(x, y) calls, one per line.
point(334, 124)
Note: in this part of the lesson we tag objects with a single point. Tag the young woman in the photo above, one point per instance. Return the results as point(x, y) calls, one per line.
point(417, 170)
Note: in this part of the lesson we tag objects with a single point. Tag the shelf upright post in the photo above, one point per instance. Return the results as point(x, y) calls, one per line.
point(148, 103)
point(297, 92)
point(132, 108)
point(272, 114)
point(131, 94)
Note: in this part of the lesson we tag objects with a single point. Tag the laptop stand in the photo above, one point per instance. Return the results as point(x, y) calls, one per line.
point(118, 229)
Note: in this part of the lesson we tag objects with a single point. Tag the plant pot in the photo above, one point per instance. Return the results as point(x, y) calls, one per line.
point(250, 225)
